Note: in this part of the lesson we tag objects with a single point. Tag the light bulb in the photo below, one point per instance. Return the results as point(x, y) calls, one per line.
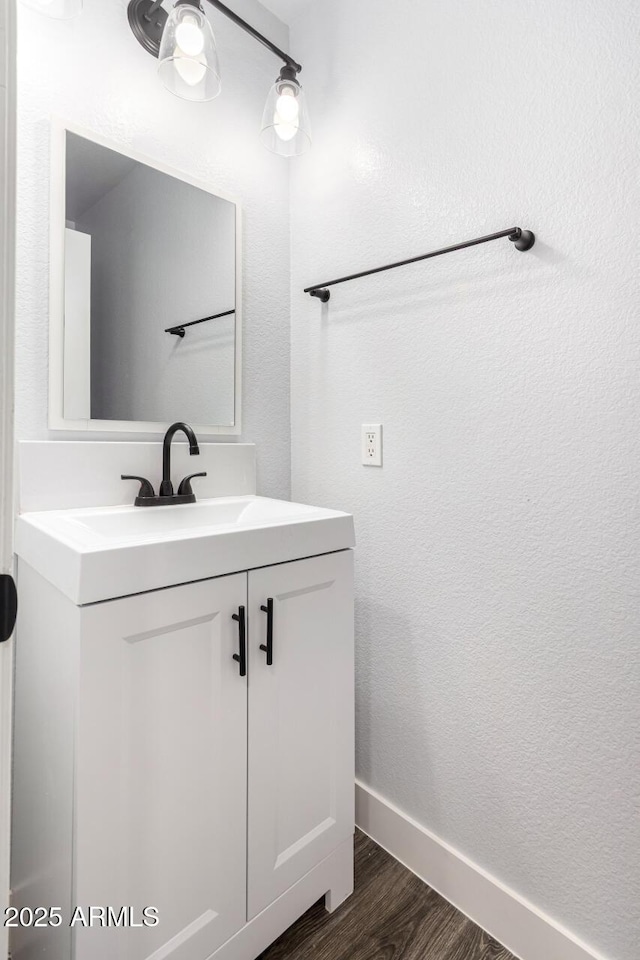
point(287, 107)
point(287, 112)
point(188, 60)
point(189, 36)
point(285, 122)
point(286, 131)
point(191, 71)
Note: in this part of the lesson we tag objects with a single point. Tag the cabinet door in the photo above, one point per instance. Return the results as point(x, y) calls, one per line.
point(161, 772)
point(301, 765)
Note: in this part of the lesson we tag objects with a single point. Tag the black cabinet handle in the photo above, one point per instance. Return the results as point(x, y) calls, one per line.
point(241, 657)
point(268, 647)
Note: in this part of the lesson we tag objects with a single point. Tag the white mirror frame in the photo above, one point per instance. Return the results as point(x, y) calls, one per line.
point(57, 214)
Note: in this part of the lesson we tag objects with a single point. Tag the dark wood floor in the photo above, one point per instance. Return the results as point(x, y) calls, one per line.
point(392, 915)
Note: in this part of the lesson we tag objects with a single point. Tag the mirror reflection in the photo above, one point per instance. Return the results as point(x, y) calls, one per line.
point(150, 293)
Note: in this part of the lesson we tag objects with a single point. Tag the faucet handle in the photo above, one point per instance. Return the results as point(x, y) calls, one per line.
point(146, 488)
point(184, 490)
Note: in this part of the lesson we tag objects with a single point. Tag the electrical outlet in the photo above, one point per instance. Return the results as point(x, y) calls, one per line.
point(372, 444)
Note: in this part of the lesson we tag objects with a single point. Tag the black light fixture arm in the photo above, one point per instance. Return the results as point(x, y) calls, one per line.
point(289, 61)
point(521, 239)
point(147, 19)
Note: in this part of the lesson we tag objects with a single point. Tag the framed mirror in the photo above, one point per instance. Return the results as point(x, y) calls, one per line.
point(145, 312)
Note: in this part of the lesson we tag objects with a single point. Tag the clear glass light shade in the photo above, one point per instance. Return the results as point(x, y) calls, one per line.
point(188, 57)
point(286, 129)
point(57, 9)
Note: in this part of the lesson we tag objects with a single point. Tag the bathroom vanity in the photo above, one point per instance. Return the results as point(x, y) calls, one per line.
point(183, 772)
point(184, 726)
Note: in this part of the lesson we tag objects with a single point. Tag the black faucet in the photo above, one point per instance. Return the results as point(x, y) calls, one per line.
point(166, 487)
point(146, 496)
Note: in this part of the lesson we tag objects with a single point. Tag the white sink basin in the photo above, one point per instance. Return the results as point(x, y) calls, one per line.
point(117, 523)
point(96, 554)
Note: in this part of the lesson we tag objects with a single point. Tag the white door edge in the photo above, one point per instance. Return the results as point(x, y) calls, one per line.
point(7, 272)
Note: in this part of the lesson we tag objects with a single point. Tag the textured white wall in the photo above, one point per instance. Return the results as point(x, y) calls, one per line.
point(498, 608)
point(93, 72)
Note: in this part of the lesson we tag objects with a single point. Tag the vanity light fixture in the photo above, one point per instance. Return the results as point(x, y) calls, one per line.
point(184, 43)
point(285, 123)
point(188, 57)
point(56, 9)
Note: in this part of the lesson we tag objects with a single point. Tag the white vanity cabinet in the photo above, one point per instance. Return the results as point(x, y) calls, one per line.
point(152, 770)
point(300, 721)
point(161, 769)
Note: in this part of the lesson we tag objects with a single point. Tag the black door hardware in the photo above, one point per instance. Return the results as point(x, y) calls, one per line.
point(268, 647)
point(241, 657)
point(8, 606)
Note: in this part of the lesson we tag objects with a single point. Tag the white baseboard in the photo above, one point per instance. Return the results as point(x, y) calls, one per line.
point(512, 921)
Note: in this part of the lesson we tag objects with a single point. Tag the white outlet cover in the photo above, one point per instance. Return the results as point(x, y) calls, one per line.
point(372, 444)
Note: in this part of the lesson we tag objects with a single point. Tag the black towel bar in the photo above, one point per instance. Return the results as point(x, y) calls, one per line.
point(178, 330)
point(522, 240)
